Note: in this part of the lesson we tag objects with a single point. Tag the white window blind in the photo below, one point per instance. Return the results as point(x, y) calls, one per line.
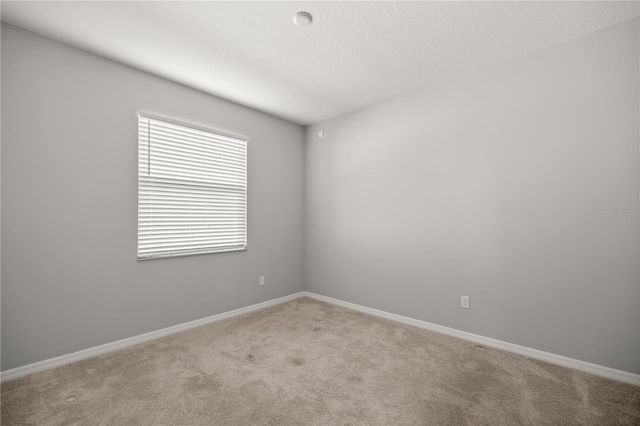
point(192, 191)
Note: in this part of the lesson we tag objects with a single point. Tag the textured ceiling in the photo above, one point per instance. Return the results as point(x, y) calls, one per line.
point(355, 53)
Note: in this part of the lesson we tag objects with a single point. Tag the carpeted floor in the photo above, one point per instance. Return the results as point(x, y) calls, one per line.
point(310, 363)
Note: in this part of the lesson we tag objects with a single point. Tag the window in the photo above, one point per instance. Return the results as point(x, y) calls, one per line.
point(192, 191)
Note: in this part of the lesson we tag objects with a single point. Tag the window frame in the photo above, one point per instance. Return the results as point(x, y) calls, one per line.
point(214, 133)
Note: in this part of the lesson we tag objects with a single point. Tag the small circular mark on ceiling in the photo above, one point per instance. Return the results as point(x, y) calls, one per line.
point(302, 19)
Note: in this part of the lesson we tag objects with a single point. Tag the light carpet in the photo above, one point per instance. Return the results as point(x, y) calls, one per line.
point(310, 363)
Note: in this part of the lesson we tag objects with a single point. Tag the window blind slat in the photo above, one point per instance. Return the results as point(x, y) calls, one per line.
point(186, 141)
point(191, 186)
point(187, 146)
point(163, 157)
point(193, 132)
point(169, 240)
point(164, 222)
point(192, 191)
point(192, 247)
point(185, 233)
point(197, 179)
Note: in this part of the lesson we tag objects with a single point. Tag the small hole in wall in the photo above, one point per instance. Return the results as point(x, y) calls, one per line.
point(322, 134)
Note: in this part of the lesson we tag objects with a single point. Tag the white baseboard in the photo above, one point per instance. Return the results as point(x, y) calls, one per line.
point(610, 373)
point(47, 364)
point(599, 370)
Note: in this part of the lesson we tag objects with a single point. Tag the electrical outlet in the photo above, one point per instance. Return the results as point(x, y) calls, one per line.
point(464, 302)
point(262, 280)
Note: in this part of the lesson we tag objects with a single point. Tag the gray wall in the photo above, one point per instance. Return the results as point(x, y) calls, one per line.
point(70, 279)
point(495, 186)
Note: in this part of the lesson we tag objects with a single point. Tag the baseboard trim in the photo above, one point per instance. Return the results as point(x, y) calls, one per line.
point(610, 373)
point(47, 364)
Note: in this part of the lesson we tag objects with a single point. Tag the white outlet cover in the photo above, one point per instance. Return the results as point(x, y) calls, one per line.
point(464, 302)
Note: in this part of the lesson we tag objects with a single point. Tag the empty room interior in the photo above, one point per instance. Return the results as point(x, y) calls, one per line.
point(292, 213)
